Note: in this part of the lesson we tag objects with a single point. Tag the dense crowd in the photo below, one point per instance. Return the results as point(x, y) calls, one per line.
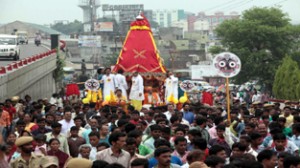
point(62, 132)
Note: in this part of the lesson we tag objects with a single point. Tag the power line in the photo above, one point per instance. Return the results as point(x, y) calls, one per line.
point(243, 4)
point(217, 6)
point(277, 3)
point(236, 5)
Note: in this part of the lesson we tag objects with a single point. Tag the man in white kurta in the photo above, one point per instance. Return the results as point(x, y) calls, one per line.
point(171, 86)
point(121, 83)
point(108, 83)
point(137, 91)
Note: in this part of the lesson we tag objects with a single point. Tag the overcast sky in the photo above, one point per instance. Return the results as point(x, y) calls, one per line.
point(47, 11)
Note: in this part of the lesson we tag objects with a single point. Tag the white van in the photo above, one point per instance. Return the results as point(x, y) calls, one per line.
point(22, 37)
point(9, 46)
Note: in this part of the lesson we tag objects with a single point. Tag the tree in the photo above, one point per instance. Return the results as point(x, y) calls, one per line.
point(287, 80)
point(260, 38)
point(70, 28)
point(110, 59)
point(216, 49)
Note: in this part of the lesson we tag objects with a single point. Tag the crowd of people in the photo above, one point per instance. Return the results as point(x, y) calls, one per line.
point(68, 133)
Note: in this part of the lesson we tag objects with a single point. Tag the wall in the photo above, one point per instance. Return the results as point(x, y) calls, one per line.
point(35, 79)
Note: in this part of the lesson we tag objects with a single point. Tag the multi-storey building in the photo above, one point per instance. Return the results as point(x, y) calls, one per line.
point(165, 17)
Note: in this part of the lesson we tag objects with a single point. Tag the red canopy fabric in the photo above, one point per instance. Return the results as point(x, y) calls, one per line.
point(139, 52)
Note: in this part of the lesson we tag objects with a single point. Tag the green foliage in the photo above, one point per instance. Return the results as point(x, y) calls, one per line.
point(216, 49)
point(260, 38)
point(110, 60)
point(153, 24)
point(287, 80)
point(58, 73)
point(70, 28)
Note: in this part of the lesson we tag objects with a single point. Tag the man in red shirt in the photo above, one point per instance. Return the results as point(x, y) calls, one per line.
point(10, 109)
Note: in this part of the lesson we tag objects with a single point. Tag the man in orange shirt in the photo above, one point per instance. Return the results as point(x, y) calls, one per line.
point(151, 97)
point(4, 121)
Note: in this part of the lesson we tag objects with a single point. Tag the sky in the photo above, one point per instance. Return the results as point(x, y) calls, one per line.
point(48, 11)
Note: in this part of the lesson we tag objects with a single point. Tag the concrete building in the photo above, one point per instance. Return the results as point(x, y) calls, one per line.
point(201, 25)
point(165, 17)
point(213, 20)
point(89, 8)
point(181, 24)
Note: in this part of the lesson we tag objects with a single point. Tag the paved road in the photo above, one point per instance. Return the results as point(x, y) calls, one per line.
point(26, 50)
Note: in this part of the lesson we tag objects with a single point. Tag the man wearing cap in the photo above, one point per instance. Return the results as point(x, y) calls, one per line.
point(79, 163)
point(27, 158)
point(137, 91)
point(49, 162)
point(15, 102)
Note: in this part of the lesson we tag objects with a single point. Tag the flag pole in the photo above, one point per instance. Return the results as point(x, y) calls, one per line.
point(228, 100)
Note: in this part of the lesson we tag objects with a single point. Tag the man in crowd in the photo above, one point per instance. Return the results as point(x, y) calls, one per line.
point(137, 91)
point(116, 154)
point(27, 159)
point(56, 133)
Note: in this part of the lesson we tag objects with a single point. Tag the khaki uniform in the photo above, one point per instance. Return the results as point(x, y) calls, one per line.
point(34, 162)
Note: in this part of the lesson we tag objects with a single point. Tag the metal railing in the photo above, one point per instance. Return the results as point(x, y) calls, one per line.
point(29, 60)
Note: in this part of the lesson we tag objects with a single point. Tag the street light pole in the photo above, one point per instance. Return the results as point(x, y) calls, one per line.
point(92, 15)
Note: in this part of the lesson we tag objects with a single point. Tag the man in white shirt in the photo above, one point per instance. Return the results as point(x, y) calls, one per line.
point(108, 83)
point(67, 122)
point(121, 82)
point(171, 86)
point(137, 91)
point(170, 111)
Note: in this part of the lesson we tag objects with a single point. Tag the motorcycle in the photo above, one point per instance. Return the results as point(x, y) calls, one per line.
point(37, 41)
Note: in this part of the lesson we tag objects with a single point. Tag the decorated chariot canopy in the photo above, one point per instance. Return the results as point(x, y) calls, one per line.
point(139, 52)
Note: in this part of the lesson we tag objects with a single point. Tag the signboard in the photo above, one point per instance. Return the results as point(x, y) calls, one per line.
point(199, 72)
point(104, 26)
point(227, 64)
point(89, 41)
point(106, 7)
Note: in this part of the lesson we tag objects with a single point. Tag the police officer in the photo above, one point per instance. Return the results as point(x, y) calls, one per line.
point(79, 163)
point(27, 158)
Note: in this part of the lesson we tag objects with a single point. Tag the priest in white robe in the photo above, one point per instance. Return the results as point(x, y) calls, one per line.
point(137, 91)
point(108, 82)
point(171, 86)
point(121, 83)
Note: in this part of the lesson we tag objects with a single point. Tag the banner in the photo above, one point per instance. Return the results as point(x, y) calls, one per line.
point(89, 41)
point(104, 27)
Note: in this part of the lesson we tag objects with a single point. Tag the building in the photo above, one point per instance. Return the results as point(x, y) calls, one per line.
point(180, 24)
point(202, 25)
point(123, 14)
point(213, 20)
point(166, 17)
point(31, 28)
point(89, 8)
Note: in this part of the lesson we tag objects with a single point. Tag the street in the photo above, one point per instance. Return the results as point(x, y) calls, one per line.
point(26, 50)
